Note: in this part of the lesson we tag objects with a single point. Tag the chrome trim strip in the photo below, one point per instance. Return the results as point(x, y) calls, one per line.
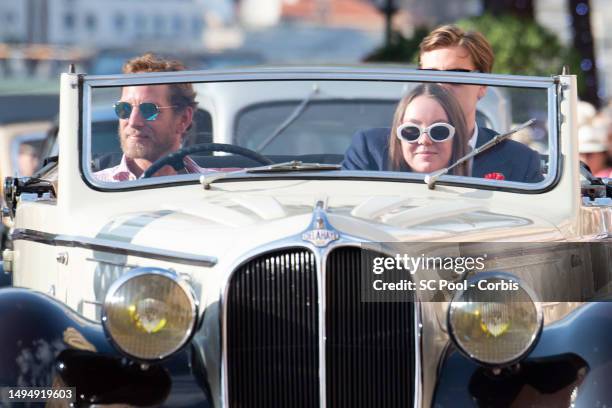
point(122, 265)
point(418, 337)
point(348, 175)
point(322, 73)
point(554, 126)
point(111, 246)
point(320, 258)
point(86, 132)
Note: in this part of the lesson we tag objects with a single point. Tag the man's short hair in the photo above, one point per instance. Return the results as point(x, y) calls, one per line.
point(182, 94)
point(450, 36)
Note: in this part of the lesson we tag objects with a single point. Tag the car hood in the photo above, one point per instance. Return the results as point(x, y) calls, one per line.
point(240, 221)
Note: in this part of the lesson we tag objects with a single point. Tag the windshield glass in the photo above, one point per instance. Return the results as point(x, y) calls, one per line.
point(368, 128)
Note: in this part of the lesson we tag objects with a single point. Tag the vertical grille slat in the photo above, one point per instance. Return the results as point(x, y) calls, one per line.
point(369, 346)
point(272, 330)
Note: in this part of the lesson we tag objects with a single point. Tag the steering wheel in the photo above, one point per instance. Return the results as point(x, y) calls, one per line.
point(175, 159)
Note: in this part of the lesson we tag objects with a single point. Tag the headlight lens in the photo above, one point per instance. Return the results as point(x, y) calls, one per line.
point(496, 320)
point(149, 313)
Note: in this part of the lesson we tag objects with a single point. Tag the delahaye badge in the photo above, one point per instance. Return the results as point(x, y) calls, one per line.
point(321, 232)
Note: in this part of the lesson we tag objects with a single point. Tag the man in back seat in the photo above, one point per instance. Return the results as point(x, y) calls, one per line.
point(449, 48)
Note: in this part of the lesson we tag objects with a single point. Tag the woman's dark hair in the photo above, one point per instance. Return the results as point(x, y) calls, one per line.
point(455, 118)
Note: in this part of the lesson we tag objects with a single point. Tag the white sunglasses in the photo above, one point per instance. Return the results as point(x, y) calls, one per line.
point(437, 132)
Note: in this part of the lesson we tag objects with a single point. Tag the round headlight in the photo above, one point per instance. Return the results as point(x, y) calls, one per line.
point(149, 313)
point(496, 320)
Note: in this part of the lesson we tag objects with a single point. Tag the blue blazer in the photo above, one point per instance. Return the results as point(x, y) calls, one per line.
point(369, 150)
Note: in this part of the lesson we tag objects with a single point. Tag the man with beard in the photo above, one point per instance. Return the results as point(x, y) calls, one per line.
point(153, 120)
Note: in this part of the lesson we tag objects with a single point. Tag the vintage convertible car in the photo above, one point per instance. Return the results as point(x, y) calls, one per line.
point(272, 277)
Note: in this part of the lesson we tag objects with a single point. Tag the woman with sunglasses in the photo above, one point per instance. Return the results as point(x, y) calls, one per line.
point(428, 132)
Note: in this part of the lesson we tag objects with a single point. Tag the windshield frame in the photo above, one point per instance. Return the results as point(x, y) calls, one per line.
point(361, 73)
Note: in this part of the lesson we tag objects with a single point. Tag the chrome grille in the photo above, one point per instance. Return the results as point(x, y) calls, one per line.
point(272, 330)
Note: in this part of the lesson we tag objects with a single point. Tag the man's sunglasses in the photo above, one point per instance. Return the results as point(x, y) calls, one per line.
point(438, 132)
point(148, 110)
point(449, 70)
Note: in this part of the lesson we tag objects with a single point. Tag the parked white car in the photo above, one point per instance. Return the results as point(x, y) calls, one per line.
point(281, 280)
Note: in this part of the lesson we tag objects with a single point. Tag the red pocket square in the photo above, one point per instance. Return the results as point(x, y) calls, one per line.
point(494, 176)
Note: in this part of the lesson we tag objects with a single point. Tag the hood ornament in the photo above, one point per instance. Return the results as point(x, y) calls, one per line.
point(320, 232)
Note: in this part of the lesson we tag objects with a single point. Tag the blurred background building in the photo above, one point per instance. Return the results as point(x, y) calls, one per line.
point(101, 24)
point(39, 37)
point(434, 12)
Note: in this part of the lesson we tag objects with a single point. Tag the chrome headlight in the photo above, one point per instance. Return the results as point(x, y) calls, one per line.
point(496, 320)
point(149, 313)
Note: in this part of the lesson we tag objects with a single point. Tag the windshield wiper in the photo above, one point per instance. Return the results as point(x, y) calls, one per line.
point(432, 177)
point(207, 179)
point(294, 165)
point(297, 112)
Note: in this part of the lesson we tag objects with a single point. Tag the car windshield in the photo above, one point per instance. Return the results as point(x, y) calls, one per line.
point(361, 127)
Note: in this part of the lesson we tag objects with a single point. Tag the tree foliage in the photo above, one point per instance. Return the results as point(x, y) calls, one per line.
point(520, 8)
point(521, 46)
point(400, 49)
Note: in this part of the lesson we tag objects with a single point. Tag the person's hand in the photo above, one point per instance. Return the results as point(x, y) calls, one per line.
point(165, 171)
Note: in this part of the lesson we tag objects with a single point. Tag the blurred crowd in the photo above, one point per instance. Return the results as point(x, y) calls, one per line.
point(595, 138)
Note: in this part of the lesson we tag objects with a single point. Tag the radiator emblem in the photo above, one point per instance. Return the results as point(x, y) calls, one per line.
point(321, 233)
